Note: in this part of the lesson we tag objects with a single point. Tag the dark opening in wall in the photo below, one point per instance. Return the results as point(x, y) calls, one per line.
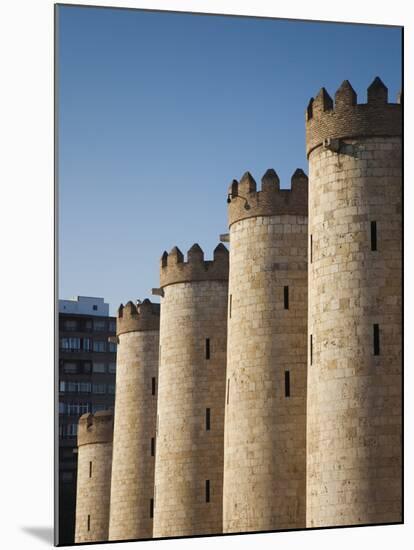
point(152, 446)
point(153, 387)
point(207, 490)
point(89, 522)
point(207, 419)
point(90, 469)
point(311, 249)
point(373, 235)
point(287, 383)
point(311, 349)
point(286, 296)
point(151, 507)
point(207, 348)
point(376, 340)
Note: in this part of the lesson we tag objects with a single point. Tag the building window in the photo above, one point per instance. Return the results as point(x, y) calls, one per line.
point(153, 385)
point(74, 387)
point(99, 407)
point(207, 419)
point(77, 409)
point(84, 387)
point(286, 296)
point(70, 368)
point(87, 367)
point(88, 325)
point(99, 368)
point(70, 344)
point(62, 408)
point(287, 383)
point(70, 324)
point(112, 347)
point(86, 344)
point(152, 446)
point(207, 490)
point(151, 507)
point(112, 325)
point(373, 235)
point(311, 348)
point(99, 325)
point(207, 348)
point(111, 389)
point(68, 431)
point(230, 304)
point(228, 390)
point(99, 345)
point(98, 388)
point(90, 468)
point(112, 368)
point(95, 307)
point(89, 518)
point(376, 340)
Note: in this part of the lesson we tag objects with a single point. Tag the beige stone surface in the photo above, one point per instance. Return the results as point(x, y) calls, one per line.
point(94, 477)
point(135, 423)
point(265, 463)
point(354, 396)
point(187, 454)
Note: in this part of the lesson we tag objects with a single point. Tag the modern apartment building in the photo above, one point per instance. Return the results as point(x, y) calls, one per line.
point(87, 365)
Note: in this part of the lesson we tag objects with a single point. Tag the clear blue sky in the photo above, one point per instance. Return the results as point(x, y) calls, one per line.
point(158, 112)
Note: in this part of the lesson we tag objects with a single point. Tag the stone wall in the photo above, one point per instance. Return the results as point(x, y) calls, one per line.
point(354, 395)
point(133, 464)
point(94, 477)
point(189, 454)
point(265, 463)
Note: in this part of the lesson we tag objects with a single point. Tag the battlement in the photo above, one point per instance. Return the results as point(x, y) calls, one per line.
point(142, 316)
point(175, 270)
point(95, 428)
point(349, 119)
point(246, 202)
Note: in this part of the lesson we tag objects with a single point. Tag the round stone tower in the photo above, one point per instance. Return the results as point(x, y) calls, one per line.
point(354, 371)
point(132, 491)
point(265, 425)
point(94, 476)
point(191, 393)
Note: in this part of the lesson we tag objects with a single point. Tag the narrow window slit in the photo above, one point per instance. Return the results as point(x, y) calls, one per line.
point(287, 383)
point(90, 469)
point(376, 340)
point(311, 349)
point(89, 522)
point(152, 446)
point(373, 235)
point(207, 419)
point(207, 490)
point(207, 348)
point(286, 296)
point(153, 385)
point(151, 507)
point(311, 249)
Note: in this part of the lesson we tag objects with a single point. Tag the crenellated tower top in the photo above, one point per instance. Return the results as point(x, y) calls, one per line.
point(142, 316)
point(349, 119)
point(95, 428)
point(246, 202)
point(175, 270)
